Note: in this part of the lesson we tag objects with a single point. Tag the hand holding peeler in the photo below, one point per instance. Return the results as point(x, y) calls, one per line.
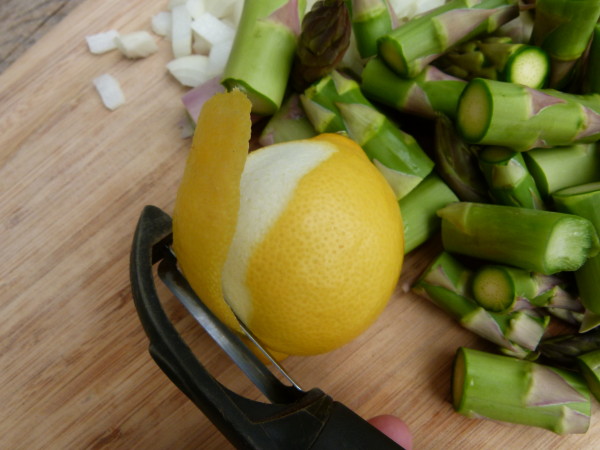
point(294, 418)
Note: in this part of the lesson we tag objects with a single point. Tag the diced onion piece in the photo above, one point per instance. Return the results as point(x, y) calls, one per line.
point(102, 42)
point(195, 7)
point(212, 29)
point(200, 45)
point(191, 70)
point(218, 56)
point(221, 8)
point(138, 44)
point(110, 91)
point(181, 33)
point(161, 23)
point(194, 99)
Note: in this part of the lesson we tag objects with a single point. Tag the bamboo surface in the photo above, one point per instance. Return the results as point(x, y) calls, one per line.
point(74, 177)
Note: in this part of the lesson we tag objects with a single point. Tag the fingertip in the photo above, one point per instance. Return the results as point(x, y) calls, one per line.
point(394, 428)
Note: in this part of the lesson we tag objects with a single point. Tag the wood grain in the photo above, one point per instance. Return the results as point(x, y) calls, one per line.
point(75, 369)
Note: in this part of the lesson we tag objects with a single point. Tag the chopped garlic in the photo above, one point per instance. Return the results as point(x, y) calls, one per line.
point(110, 91)
point(212, 29)
point(138, 44)
point(161, 23)
point(102, 42)
point(181, 32)
point(190, 70)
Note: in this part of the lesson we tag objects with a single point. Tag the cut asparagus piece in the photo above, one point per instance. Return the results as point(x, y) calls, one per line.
point(584, 201)
point(446, 284)
point(502, 288)
point(502, 388)
point(589, 364)
point(457, 163)
point(409, 48)
point(563, 350)
point(429, 93)
point(336, 103)
point(287, 124)
point(498, 58)
point(540, 241)
point(396, 154)
point(591, 79)
point(371, 19)
point(324, 39)
point(263, 51)
point(419, 209)
point(557, 168)
point(587, 321)
point(499, 113)
point(508, 178)
point(564, 28)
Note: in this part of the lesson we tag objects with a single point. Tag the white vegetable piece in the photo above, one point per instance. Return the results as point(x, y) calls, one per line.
point(161, 23)
point(196, 8)
point(138, 44)
point(110, 91)
point(212, 29)
point(181, 32)
point(174, 3)
point(200, 45)
point(222, 8)
point(191, 70)
point(102, 42)
point(218, 56)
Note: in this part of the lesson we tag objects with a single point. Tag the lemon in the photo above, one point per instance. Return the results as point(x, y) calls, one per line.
point(306, 244)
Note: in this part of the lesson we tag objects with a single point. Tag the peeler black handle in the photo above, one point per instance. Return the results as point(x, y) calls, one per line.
point(296, 420)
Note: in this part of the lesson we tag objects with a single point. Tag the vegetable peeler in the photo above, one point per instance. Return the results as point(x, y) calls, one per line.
point(294, 418)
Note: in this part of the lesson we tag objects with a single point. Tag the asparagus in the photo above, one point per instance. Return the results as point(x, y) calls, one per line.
point(446, 283)
point(429, 93)
point(498, 387)
point(336, 103)
point(457, 163)
point(540, 241)
point(324, 39)
point(266, 38)
point(591, 79)
point(584, 201)
point(419, 208)
point(557, 168)
point(508, 178)
point(371, 19)
point(503, 288)
point(498, 58)
point(564, 28)
point(409, 48)
point(506, 114)
point(287, 124)
point(563, 350)
point(589, 364)
point(588, 321)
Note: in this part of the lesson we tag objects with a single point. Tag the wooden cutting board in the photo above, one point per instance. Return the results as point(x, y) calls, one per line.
point(74, 367)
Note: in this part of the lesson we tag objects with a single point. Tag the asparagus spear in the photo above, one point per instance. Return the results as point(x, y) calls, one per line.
point(287, 124)
point(591, 79)
point(371, 19)
point(498, 58)
point(541, 241)
point(503, 288)
point(564, 28)
point(324, 39)
point(498, 387)
point(429, 93)
point(508, 179)
point(419, 208)
point(446, 283)
point(336, 103)
point(584, 201)
point(563, 350)
point(263, 51)
point(409, 48)
point(498, 113)
point(457, 164)
point(589, 364)
point(557, 168)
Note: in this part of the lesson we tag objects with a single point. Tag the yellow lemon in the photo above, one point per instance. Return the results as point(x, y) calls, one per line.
point(314, 248)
